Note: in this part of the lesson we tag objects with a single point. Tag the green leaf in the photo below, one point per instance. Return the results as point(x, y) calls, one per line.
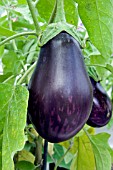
point(22, 24)
point(97, 16)
point(90, 50)
point(101, 152)
point(8, 76)
point(58, 153)
point(6, 32)
point(22, 2)
point(71, 12)
point(109, 67)
point(84, 158)
point(74, 148)
point(11, 63)
point(101, 62)
point(68, 157)
point(24, 11)
point(13, 109)
point(45, 8)
point(1, 51)
point(25, 155)
point(25, 165)
point(28, 45)
point(32, 52)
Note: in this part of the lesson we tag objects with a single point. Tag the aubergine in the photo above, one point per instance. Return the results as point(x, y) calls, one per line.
point(102, 108)
point(60, 92)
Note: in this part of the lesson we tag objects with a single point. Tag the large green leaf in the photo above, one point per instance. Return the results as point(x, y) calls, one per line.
point(11, 63)
point(97, 16)
point(1, 51)
point(100, 61)
point(25, 165)
point(71, 12)
point(13, 109)
point(58, 154)
point(101, 152)
point(45, 8)
point(90, 152)
point(21, 2)
point(24, 11)
point(84, 158)
point(6, 32)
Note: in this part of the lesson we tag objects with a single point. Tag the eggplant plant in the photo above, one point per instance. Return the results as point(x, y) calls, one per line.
point(46, 49)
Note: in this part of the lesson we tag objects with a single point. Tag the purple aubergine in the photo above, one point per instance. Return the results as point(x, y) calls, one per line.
point(102, 108)
point(60, 92)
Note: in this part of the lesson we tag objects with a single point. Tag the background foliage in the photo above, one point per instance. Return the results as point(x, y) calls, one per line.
point(93, 22)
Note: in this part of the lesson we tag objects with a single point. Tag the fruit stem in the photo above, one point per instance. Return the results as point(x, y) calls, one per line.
point(58, 14)
point(45, 155)
point(34, 16)
point(61, 159)
point(16, 36)
point(51, 20)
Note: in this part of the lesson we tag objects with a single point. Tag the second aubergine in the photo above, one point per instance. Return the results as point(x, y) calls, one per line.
point(102, 108)
point(60, 92)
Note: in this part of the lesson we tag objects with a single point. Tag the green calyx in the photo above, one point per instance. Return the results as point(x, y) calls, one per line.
point(54, 29)
point(57, 24)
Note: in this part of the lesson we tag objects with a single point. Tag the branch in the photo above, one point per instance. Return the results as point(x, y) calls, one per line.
point(9, 78)
point(10, 27)
point(34, 16)
point(17, 35)
point(26, 74)
point(38, 153)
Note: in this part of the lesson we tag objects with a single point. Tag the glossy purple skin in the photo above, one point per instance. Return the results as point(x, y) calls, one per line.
point(60, 92)
point(102, 108)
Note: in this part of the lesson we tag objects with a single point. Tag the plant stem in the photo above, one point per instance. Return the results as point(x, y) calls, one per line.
point(17, 35)
point(9, 78)
point(26, 74)
point(10, 25)
point(35, 3)
point(38, 153)
point(98, 65)
point(61, 159)
point(34, 16)
point(45, 155)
